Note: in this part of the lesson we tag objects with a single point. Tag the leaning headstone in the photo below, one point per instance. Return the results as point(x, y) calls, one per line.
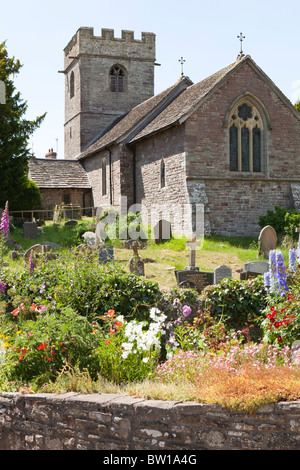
point(222, 272)
point(267, 240)
point(106, 253)
point(136, 264)
point(30, 230)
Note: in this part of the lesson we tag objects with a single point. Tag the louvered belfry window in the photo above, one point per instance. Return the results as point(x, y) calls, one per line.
point(117, 79)
point(245, 138)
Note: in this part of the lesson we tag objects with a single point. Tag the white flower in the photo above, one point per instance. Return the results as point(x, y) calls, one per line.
point(145, 359)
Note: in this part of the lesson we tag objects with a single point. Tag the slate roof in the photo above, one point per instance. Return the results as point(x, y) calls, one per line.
point(58, 174)
point(140, 115)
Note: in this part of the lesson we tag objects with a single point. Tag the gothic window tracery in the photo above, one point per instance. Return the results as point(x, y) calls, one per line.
point(117, 79)
point(245, 138)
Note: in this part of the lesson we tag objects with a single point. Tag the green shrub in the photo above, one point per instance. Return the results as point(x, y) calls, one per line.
point(284, 221)
point(236, 302)
point(38, 349)
point(84, 285)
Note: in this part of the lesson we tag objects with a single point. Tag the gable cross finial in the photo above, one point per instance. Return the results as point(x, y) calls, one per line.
point(182, 61)
point(241, 38)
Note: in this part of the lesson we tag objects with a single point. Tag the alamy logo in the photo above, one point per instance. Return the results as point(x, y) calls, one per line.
point(2, 92)
point(150, 222)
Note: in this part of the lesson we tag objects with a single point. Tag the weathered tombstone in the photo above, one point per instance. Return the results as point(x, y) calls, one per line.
point(71, 222)
point(39, 249)
point(260, 267)
point(267, 240)
point(106, 253)
point(136, 264)
point(222, 272)
point(30, 230)
point(254, 269)
point(194, 279)
point(89, 238)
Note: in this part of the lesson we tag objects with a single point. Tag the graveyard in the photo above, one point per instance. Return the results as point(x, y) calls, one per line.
point(179, 319)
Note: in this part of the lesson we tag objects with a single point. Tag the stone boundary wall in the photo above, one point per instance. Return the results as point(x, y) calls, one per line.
point(74, 421)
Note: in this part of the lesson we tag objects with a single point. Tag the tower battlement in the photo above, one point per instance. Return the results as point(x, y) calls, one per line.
point(105, 77)
point(85, 40)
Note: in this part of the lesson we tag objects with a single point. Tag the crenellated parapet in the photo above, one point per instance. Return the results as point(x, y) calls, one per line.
point(86, 42)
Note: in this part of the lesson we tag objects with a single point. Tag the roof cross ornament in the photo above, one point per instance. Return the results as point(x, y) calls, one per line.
point(182, 61)
point(241, 38)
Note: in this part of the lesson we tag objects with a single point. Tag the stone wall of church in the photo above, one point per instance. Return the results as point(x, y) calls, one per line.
point(170, 202)
point(236, 199)
point(236, 205)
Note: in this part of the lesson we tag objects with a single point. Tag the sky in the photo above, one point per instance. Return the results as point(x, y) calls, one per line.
point(204, 33)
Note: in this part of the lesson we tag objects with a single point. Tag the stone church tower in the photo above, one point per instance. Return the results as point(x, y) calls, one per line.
point(105, 77)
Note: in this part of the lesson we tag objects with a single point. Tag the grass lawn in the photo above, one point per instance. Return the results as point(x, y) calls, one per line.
point(161, 260)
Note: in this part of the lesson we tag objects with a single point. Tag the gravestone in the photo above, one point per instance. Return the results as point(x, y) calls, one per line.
point(40, 249)
point(30, 230)
point(194, 279)
point(222, 272)
point(254, 269)
point(71, 222)
point(106, 253)
point(192, 244)
point(267, 240)
point(89, 238)
point(136, 264)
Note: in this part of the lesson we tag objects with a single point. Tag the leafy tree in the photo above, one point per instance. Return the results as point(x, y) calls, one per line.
point(15, 131)
point(297, 105)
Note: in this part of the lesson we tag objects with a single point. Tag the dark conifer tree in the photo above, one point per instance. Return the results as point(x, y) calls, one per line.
point(15, 130)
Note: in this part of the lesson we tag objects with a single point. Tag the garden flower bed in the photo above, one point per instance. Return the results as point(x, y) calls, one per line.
point(74, 325)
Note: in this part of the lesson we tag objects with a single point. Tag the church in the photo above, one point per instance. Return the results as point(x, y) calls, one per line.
point(229, 144)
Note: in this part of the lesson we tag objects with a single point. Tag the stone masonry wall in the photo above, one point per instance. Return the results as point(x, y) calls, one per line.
point(112, 422)
point(235, 200)
point(94, 106)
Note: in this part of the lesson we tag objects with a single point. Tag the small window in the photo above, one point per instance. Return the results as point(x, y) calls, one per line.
point(117, 79)
point(104, 188)
point(162, 174)
point(72, 85)
point(67, 198)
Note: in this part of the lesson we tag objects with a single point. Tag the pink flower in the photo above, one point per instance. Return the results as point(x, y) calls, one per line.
point(186, 310)
point(4, 225)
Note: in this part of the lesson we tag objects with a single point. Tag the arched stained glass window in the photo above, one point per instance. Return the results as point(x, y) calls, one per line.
point(245, 138)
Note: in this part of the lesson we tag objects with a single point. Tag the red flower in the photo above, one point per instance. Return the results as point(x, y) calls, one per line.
point(42, 346)
point(279, 339)
point(110, 313)
point(15, 312)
